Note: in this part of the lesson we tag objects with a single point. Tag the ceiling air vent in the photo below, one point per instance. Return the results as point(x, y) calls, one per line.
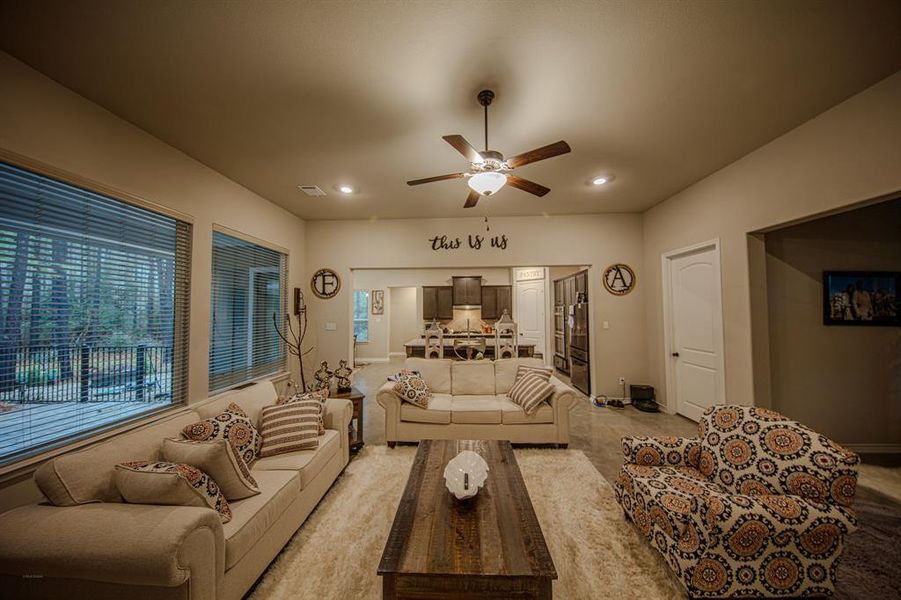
point(311, 190)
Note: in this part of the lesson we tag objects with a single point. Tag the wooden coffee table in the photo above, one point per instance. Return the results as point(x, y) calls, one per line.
point(489, 546)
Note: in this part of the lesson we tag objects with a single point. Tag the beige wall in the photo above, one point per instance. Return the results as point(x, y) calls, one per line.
point(596, 240)
point(44, 121)
point(842, 381)
point(404, 323)
point(849, 154)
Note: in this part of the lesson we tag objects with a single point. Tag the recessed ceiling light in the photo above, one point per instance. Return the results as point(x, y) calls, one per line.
point(599, 181)
point(345, 189)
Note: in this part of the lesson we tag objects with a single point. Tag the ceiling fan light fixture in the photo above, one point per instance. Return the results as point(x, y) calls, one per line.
point(487, 183)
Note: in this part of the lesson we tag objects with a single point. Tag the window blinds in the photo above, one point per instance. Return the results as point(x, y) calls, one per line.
point(249, 289)
point(94, 303)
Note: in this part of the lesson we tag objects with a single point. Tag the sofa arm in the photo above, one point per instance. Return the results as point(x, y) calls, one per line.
point(388, 400)
point(337, 413)
point(718, 513)
point(129, 544)
point(662, 451)
point(564, 396)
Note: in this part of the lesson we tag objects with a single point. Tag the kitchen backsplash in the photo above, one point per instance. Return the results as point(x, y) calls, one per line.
point(459, 322)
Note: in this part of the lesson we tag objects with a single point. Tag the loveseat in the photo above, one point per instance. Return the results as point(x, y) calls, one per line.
point(100, 547)
point(756, 505)
point(469, 401)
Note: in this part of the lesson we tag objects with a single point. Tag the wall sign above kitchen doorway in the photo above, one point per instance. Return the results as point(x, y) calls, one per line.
point(619, 279)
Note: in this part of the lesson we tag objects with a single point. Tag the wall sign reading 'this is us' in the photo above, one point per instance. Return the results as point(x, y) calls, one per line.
point(476, 242)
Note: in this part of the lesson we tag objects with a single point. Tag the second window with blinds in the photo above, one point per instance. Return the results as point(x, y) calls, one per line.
point(248, 299)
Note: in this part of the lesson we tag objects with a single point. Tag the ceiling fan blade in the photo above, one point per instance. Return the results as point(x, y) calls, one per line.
point(437, 178)
point(463, 147)
point(472, 199)
point(549, 151)
point(527, 186)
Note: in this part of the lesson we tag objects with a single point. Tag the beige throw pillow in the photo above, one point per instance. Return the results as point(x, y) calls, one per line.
point(523, 370)
point(171, 484)
point(530, 391)
point(290, 427)
point(219, 460)
point(233, 425)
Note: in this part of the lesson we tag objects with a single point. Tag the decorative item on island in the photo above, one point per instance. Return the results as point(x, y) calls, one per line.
point(465, 474)
point(506, 340)
point(342, 376)
point(323, 377)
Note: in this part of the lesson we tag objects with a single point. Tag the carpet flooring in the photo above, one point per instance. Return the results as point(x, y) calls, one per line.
point(596, 552)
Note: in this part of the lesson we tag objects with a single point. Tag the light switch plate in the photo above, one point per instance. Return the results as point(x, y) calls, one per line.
point(606, 325)
point(331, 326)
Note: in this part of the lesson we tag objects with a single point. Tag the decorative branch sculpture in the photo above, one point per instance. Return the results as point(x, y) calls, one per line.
point(294, 343)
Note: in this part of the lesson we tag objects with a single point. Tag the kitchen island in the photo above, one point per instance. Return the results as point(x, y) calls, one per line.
point(416, 347)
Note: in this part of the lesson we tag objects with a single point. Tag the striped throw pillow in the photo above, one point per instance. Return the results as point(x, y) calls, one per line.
point(523, 370)
point(530, 391)
point(290, 427)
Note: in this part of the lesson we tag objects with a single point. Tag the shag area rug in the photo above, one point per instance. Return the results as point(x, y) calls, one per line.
point(598, 554)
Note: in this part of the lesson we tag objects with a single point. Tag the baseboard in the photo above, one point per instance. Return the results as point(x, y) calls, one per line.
point(874, 448)
point(397, 355)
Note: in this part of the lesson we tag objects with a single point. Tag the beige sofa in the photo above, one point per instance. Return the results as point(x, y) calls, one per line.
point(104, 548)
point(470, 402)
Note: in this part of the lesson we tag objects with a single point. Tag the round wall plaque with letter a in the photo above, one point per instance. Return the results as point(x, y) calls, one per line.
point(619, 279)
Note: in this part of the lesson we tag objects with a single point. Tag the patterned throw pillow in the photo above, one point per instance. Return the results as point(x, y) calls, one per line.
point(320, 395)
point(413, 389)
point(407, 371)
point(523, 370)
point(233, 425)
point(530, 391)
point(219, 460)
point(170, 484)
point(290, 427)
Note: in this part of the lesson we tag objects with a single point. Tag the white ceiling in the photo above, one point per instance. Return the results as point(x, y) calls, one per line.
point(278, 94)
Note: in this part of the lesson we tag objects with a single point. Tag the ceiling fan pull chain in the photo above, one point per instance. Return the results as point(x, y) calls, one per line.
point(487, 226)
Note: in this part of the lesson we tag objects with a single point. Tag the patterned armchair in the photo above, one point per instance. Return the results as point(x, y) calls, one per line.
point(756, 505)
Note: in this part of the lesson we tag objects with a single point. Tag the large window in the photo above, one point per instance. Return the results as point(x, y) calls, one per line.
point(93, 312)
point(249, 294)
point(361, 315)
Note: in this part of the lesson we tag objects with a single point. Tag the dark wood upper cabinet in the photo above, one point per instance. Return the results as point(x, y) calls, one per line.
point(489, 303)
point(504, 300)
point(445, 303)
point(429, 303)
point(437, 303)
point(467, 291)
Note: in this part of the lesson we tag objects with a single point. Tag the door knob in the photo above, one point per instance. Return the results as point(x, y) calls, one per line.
point(675, 355)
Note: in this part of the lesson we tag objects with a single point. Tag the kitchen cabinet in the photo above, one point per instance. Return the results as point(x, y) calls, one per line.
point(445, 303)
point(467, 291)
point(495, 300)
point(437, 303)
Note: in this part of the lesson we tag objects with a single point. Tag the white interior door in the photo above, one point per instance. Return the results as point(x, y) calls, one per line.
point(696, 331)
point(529, 309)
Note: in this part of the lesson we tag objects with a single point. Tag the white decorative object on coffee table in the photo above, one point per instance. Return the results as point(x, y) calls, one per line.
point(465, 474)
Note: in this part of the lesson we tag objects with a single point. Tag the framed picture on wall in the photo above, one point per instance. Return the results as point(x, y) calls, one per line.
point(861, 298)
point(378, 302)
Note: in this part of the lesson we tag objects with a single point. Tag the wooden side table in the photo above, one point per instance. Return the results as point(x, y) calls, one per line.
point(355, 429)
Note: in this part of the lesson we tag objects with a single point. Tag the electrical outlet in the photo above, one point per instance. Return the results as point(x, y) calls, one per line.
point(622, 381)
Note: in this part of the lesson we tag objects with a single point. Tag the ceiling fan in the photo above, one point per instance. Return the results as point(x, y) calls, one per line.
point(488, 169)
